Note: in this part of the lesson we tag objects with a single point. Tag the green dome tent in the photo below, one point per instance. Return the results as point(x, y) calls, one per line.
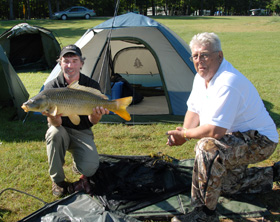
point(30, 48)
point(12, 90)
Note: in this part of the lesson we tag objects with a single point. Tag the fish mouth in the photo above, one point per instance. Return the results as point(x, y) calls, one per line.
point(24, 107)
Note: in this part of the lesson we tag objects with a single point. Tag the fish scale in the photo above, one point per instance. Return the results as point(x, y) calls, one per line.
point(67, 100)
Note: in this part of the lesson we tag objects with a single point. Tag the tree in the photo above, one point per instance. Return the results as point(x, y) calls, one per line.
point(50, 8)
point(44, 8)
point(275, 6)
point(11, 6)
point(57, 5)
point(28, 9)
point(153, 8)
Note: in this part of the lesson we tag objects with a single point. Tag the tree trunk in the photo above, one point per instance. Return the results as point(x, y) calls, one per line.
point(11, 6)
point(153, 8)
point(201, 6)
point(57, 5)
point(50, 8)
point(28, 9)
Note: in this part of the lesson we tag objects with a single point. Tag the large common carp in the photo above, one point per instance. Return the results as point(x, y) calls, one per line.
point(75, 100)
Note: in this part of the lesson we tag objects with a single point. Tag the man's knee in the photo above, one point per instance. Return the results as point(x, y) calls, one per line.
point(55, 134)
point(207, 144)
point(88, 169)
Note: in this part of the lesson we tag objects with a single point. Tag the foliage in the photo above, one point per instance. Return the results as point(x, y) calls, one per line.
point(275, 6)
point(249, 43)
point(45, 9)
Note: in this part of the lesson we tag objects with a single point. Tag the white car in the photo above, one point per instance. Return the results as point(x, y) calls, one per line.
point(74, 12)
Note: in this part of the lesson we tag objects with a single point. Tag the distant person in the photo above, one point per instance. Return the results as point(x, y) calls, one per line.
point(63, 135)
point(227, 114)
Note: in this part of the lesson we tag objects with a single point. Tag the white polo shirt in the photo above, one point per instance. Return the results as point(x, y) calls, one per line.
point(232, 102)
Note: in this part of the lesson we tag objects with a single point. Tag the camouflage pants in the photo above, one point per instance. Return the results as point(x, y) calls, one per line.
point(221, 167)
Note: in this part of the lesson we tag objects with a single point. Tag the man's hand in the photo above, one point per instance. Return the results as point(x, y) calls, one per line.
point(53, 120)
point(176, 137)
point(97, 114)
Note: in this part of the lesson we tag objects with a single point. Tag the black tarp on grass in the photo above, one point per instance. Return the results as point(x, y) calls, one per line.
point(131, 188)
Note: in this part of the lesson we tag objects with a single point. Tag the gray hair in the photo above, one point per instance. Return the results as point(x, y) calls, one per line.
point(206, 39)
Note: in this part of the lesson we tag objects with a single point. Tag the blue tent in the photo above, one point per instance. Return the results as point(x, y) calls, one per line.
point(149, 56)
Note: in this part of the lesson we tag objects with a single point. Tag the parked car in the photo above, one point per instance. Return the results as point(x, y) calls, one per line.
point(74, 12)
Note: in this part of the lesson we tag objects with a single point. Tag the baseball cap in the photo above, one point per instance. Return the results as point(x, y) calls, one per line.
point(71, 49)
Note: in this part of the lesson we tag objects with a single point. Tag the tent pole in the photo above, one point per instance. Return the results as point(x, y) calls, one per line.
point(108, 40)
point(25, 118)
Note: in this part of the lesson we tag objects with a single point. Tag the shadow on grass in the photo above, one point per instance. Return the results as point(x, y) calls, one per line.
point(275, 116)
point(12, 130)
point(3, 212)
point(186, 17)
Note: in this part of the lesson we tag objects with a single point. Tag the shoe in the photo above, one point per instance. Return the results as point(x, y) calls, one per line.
point(276, 172)
point(61, 189)
point(83, 184)
point(197, 215)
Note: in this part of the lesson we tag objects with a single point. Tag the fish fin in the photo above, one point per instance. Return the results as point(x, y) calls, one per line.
point(77, 86)
point(52, 111)
point(75, 119)
point(122, 104)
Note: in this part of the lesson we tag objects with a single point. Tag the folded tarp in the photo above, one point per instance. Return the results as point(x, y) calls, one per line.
point(77, 207)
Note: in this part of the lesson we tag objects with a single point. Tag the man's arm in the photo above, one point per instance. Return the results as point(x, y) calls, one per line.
point(191, 120)
point(176, 137)
point(191, 129)
point(206, 130)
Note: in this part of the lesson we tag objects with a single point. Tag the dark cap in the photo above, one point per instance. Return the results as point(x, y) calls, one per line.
point(71, 49)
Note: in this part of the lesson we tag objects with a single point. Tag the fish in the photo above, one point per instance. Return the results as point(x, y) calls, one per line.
point(75, 100)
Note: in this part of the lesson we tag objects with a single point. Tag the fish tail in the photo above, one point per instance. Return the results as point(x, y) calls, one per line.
point(122, 104)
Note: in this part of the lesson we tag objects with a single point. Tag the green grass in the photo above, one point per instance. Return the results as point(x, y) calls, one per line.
point(251, 44)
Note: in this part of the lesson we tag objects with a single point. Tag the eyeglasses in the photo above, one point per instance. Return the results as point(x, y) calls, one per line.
point(202, 56)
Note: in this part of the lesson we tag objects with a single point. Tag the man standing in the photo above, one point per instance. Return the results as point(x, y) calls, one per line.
point(227, 114)
point(63, 135)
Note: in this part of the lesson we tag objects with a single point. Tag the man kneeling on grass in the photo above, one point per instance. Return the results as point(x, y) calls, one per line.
point(63, 135)
point(227, 114)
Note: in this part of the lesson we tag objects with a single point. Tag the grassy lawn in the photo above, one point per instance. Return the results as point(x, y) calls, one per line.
point(251, 44)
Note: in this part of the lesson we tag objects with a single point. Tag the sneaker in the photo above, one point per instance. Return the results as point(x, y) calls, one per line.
point(197, 215)
point(276, 172)
point(61, 189)
point(83, 184)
